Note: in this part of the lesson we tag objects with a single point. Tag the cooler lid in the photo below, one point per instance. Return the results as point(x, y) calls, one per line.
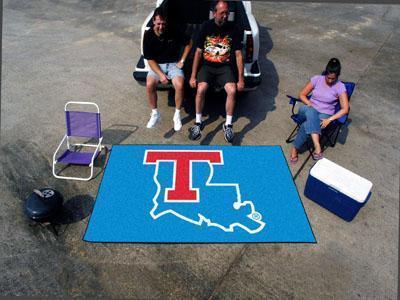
point(341, 179)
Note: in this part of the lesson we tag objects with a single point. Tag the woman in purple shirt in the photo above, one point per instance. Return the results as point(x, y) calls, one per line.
point(319, 111)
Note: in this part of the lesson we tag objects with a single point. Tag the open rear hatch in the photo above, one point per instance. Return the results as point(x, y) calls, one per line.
point(188, 16)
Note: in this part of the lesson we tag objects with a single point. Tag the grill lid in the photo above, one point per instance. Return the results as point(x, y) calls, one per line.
point(43, 204)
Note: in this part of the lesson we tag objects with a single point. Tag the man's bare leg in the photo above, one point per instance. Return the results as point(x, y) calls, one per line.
point(200, 96)
point(178, 84)
point(151, 85)
point(230, 89)
point(195, 131)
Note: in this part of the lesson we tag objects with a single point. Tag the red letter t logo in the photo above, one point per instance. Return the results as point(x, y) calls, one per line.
point(182, 189)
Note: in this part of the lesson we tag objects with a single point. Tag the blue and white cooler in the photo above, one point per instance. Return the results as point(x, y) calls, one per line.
point(337, 189)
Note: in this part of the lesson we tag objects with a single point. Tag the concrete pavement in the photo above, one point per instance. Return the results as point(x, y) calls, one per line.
point(56, 51)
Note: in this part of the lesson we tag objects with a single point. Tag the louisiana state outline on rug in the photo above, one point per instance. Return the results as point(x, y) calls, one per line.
point(197, 194)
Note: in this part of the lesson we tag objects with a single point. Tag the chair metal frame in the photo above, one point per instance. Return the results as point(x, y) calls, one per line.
point(98, 147)
point(331, 132)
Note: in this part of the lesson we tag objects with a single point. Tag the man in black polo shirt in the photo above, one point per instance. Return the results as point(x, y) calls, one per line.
point(219, 43)
point(162, 48)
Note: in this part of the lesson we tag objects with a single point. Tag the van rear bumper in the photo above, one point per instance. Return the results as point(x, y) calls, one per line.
point(250, 83)
point(251, 80)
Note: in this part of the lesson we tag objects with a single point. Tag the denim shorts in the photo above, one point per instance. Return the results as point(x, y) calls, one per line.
point(169, 69)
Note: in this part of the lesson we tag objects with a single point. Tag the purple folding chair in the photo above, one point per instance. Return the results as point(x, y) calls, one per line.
point(80, 125)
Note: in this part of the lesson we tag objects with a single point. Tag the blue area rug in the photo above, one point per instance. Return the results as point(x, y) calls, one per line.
point(198, 194)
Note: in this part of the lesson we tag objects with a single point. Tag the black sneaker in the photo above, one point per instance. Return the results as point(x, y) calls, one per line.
point(228, 133)
point(195, 131)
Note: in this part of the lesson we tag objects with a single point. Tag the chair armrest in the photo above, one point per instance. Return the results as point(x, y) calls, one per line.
point(292, 101)
point(58, 148)
point(99, 147)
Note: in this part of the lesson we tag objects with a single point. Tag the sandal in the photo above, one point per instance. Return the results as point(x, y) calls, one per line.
point(317, 156)
point(293, 160)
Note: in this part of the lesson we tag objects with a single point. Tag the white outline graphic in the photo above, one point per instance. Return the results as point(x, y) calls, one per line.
point(254, 215)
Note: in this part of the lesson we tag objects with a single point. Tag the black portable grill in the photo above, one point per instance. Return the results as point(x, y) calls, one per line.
point(43, 205)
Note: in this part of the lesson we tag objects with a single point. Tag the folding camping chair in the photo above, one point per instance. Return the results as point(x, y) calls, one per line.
point(81, 125)
point(328, 134)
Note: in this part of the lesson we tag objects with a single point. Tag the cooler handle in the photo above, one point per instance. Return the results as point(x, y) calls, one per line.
point(333, 189)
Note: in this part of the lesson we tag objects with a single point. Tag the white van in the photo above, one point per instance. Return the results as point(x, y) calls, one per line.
point(190, 15)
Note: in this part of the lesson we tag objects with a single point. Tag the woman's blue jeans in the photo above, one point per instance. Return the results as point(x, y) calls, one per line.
point(311, 123)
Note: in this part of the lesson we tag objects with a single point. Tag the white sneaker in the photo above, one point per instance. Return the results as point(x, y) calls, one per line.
point(177, 122)
point(154, 119)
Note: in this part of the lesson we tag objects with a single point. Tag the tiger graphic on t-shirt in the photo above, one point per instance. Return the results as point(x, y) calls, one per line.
point(217, 49)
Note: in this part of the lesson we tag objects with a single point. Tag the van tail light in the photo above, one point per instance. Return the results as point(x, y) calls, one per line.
point(249, 48)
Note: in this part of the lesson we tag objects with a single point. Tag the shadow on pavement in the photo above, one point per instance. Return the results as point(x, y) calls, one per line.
point(74, 210)
point(256, 105)
point(25, 167)
point(117, 133)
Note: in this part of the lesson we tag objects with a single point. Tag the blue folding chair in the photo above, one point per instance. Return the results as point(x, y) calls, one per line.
point(81, 126)
point(331, 132)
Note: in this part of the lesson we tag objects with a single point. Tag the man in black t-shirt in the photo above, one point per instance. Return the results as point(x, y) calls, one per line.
point(162, 48)
point(219, 44)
